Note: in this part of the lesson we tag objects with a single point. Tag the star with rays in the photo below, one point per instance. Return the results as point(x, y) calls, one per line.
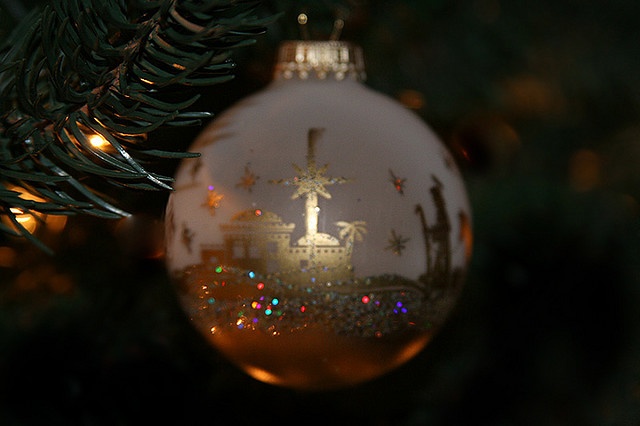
point(310, 183)
point(213, 200)
point(248, 180)
point(397, 243)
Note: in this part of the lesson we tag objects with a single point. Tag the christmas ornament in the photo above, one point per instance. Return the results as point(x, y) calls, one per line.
point(322, 237)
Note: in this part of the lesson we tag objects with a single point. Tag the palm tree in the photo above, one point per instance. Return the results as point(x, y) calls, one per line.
point(352, 231)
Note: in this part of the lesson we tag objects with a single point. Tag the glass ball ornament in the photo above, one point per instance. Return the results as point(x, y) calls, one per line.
point(323, 236)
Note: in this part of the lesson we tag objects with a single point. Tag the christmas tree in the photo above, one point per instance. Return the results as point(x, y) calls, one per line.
point(540, 103)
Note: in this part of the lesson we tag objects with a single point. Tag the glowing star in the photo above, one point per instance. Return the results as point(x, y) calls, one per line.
point(248, 180)
point(398, 183)
point(213, 200)
point(397, 243)
point(310, 183)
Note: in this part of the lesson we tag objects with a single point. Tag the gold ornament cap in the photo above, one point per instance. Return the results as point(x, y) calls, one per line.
point(322, 60)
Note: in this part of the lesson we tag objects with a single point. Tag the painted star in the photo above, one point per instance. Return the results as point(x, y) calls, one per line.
point(248, 180)
point(312, 181)
point(398, 183)
point(213, 200)
point(397, 243)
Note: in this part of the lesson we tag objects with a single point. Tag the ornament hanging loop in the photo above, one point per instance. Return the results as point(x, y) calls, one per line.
point(303, 20)
point(338, 25)
point(340, 17)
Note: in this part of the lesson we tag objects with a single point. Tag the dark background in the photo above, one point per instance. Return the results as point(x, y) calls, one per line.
point(540, 103)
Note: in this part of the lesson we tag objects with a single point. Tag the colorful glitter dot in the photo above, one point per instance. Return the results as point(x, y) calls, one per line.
point(365, 299)
point(260, 286)
point(268, 311)
point(251, 274)
point(275, 302)
point(256, 305)
point(403, 310)
point(218, 269)
point(303, 308)
point(255, 320)
point(258, 212)
point(211, 187)
point(399, 304)
point(211, 300)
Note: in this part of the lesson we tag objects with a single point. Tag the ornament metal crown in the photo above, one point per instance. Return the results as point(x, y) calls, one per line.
point(320, 59)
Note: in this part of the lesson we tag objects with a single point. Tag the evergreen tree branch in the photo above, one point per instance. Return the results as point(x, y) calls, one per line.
point(111, 68)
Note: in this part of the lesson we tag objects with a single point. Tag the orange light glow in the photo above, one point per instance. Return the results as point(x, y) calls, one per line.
point(32, 220)
point(412, 99)
point(262, 375)
point(584, 170)
point(466, 234)
point(8, 257)
point(27, 220)
point(56, 223)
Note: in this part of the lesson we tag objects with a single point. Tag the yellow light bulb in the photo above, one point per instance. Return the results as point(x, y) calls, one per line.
point(28, 221)
point(97, 141)
point(33, 219)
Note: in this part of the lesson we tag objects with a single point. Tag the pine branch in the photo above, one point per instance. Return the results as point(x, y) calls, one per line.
point(112, 68)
